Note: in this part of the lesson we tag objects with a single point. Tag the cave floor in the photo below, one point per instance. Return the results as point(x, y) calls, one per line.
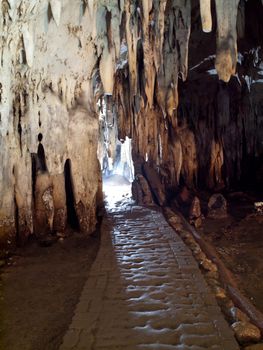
point(39, 290)
point(145, 291)
point(239, 241)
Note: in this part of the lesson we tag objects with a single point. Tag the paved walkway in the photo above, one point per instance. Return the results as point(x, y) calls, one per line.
point(145, 291)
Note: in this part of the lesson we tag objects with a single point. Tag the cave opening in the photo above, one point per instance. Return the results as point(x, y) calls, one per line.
point(118, 173)
point(72, 217)
point(115, 155)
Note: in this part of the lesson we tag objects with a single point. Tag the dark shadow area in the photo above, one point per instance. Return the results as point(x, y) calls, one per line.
point(41, 158)
point(70, 198)
point(40, 289)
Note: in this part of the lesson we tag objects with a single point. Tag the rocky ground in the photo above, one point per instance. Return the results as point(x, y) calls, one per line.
point(39, 290)
point(239, 241)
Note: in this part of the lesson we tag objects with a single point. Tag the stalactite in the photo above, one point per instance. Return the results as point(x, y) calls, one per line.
point(56, 10)
point(29, 46)
point(135, 54)
point(226, 56)
point(206, 16)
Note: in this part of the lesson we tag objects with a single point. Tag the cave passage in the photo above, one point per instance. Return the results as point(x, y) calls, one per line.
point(72, 218)
point(118, 173)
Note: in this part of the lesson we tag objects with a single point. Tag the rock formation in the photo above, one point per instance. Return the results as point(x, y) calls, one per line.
point(157, 72)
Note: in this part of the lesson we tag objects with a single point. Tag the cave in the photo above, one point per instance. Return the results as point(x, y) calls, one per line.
point(131, 185)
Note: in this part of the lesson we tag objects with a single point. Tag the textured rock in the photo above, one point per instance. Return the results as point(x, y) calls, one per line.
point(207, 265)
point(195, 214)
point(226, 56)
point(47, 116)
point(217, 206)
point(246, 332)
point(141, 191)
point(235, 314)
point(155, 183)
point(60, 59)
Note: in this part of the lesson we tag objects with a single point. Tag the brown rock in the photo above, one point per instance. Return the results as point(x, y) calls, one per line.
point(220, 293)
point(195, 214)
point(207, 265)
point(213, 275)
point(254, 347)
point(246, 332)
point(235, 314)
point(217, 206)
point(146, 192)
point(155, 184)
point(195, 209)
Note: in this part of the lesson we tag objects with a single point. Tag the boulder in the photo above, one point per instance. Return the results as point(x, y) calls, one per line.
point(217, 206)
point(246, 332)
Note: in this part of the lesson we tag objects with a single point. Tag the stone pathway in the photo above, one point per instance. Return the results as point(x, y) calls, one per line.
point(145, 291)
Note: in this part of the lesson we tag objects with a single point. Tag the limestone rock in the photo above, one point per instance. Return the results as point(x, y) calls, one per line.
point(217, 206)
point(141, 191)
point(206, 16)
point(246, 332)
point(258, 207)
point(155, 183)
point(235, 315)
point(207, 265)
point(195, 209)
point(56, 10)
point(220, 293)
point(226, 57)
point(195, 214)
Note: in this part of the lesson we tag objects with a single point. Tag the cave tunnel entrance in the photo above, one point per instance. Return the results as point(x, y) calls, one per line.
point(72, 218)
point(115, 156)
point(118, 173)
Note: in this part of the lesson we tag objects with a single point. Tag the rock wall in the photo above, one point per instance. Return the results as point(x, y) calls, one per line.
point(59, 58)
point(48, 121)
point(186, 95)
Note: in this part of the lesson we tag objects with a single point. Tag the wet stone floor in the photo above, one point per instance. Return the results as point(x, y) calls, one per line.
point(145, 291)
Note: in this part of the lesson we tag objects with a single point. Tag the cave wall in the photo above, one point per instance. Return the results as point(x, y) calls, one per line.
point(226, 118)
point(195, 114)
point(48, 116)
point(158, 62)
